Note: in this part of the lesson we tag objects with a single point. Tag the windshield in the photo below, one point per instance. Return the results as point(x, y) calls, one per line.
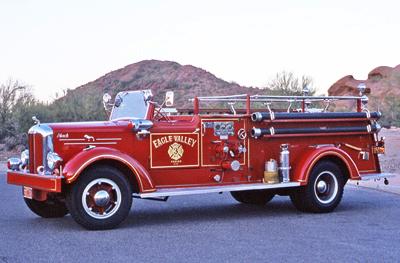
point(129, 105)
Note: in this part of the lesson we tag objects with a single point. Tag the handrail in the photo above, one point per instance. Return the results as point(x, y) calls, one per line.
point(305, 100)
point(260, 98)
point(226, 96)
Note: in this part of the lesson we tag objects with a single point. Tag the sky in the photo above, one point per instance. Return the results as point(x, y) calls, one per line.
point(56, 45)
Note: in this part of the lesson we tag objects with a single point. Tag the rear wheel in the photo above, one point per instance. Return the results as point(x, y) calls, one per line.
point(100, 199)
point(51, 208)
point(255, 197)
point(324, 190)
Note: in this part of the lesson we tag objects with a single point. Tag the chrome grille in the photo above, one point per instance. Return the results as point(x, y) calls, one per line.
point(40, 144)
point(32, 165)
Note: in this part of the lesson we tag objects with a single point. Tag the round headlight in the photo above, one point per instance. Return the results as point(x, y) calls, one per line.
point(13, 164)
point(25, 158)
point(53, 160)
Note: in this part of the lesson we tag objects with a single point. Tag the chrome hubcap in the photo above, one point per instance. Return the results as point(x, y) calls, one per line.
point(326, 187)
point(322, 187)
point(101, 198)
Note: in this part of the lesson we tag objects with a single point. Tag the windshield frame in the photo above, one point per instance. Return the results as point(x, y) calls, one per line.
point(142, 93)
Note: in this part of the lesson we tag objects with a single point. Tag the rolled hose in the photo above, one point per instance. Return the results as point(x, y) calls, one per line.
point(258, 132)
point(260, 116)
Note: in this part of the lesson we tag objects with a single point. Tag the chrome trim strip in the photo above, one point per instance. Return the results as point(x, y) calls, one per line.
point(215, 189)
point(89, 143)
point(108, 139)
point(374, 176)
point(96, 139)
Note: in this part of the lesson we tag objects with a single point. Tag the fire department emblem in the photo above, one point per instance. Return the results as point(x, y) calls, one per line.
point(175, 151)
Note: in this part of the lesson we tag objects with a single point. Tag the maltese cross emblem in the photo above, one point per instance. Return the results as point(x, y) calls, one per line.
point(175, 151)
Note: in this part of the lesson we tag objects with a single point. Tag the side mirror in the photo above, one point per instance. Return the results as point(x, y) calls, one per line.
point(118, 101)
point(169, 98)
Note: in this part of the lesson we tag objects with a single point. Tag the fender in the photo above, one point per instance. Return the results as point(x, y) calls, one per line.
point(312, 156)
point(79, 162)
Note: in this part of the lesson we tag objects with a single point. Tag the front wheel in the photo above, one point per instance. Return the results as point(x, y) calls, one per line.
point(51, 208)
point(100, 199)
point(324, 190)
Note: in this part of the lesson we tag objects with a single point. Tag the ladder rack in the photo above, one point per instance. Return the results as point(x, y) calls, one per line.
point(361, 100)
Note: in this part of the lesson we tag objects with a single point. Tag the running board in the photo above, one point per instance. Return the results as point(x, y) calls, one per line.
point(214, 189)
point(376, 176)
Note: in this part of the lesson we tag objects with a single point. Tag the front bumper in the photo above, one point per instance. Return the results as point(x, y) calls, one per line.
point(49, 183)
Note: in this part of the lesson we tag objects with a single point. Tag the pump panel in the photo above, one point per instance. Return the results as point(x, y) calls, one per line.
point(220, 141)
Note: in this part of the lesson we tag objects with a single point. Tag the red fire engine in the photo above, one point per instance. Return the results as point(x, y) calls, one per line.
point(252, 149)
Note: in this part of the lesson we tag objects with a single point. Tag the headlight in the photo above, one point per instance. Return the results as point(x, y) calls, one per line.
point(53, 160)
point(25, 158)
point(13, 164)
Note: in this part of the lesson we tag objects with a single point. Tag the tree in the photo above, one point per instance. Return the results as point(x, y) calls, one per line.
point(287, 84)
point(11, 93)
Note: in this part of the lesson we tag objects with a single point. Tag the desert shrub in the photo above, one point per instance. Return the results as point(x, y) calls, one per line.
point(13, 96)
point(172, 84)
point(10, 143)
point(389, 105)
point(19, 141)
point(287, 84)
point(78, 107)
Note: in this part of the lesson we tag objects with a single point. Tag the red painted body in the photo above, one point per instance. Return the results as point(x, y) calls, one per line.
point(183, 151)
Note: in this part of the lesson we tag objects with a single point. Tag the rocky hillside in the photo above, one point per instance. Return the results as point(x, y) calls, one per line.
point(383, 84)
point(160, 76)
point(380, 81)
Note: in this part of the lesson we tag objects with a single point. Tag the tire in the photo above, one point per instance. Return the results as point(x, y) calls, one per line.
point(324, 190)
point(255, 197)
point(100, 199)
point(51, 208)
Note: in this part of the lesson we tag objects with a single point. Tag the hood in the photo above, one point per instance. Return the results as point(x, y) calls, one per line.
point(87, 127)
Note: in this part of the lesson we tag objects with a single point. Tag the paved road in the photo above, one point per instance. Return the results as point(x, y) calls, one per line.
point(209, 228)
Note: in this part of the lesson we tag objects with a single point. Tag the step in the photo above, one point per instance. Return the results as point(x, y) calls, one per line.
point(163, 192)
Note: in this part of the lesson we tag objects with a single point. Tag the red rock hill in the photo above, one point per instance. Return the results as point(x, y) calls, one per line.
point(381, 81)
point(384, 92)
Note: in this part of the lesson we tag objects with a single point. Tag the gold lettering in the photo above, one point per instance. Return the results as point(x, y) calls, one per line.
point(191, 142)
point(156, 144)
point(177, 138)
